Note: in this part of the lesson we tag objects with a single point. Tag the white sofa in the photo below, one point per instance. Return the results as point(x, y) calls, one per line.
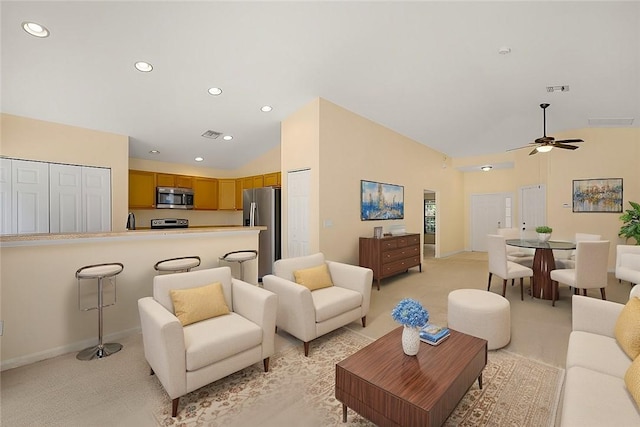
point(628, 263)
point(594, 391)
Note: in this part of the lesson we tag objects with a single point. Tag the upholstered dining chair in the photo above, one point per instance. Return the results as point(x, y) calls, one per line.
point(567, 259)
point(316, 296)
point(590, 271)
point(203, 325)
point(523, 256)
point(628, 263)
point(502, 267)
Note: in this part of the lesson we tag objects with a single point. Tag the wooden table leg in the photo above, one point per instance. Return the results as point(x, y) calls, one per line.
point(543, 263)
point(480, 381)
point(344, 413)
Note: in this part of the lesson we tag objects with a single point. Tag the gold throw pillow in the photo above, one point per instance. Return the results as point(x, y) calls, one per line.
point(195, 304)
point(314, 277)
point(632, 380)
point(627, 331)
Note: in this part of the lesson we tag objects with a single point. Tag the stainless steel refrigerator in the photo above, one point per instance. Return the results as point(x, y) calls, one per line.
point(261, 206)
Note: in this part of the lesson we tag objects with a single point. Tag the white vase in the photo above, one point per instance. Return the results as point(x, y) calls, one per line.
point(410, 340)
point(544, 237)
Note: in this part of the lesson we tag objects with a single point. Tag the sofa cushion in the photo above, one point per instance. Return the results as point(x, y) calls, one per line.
point(595, 399)
point(333, 301)
point(215, 339)
point(632, 380)
point(195, 304)
point(627, 330)
point(597, 352)
point(317, 277)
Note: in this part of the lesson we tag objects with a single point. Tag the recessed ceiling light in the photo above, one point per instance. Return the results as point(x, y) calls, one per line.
point(504, 50)
point(227, 137)
point(35, 29)
point(486, 168)
point(266, 108)
point(154, 152)
point(144, 67)
point(215, 91)
point(199, 159)
point(544, 148)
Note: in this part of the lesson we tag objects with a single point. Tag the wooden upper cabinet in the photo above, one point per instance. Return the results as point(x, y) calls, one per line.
point(258, 181)
point(170, 180)
point(247, 182)
point(205, 193)
point(226, 194)
point(142, 189)
point(271, 179)
point(239, 194)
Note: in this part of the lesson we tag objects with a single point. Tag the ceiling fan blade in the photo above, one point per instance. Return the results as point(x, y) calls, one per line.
point(518, 148)
point(573, 141)
point(535, 151)
point(567, 147)
point(545, 140)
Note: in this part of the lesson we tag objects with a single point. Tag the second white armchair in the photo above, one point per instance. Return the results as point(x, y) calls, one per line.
point(308, 314)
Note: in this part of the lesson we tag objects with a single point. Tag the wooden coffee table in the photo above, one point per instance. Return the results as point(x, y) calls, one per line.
point(389, 388)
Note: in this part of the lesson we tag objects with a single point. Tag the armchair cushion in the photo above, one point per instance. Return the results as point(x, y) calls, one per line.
point(233, 335)
point(630, 260)
point(331, 302)
point(195, 304)
point(627, 330)
point(314, 278)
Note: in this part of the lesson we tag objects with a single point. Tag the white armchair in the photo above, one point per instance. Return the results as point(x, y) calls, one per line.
point(628, 263)
point(307, 314)
point(185, 358)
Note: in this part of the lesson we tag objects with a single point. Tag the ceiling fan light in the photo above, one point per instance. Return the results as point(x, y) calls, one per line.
point(544, 148)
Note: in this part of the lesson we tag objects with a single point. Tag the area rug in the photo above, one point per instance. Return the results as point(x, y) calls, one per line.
point(299, 391)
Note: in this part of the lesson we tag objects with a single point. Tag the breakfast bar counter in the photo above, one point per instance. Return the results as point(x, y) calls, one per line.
point(39, 288)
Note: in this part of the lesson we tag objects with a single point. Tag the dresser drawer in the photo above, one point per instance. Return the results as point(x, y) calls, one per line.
point(399, 266)
point(401, 253)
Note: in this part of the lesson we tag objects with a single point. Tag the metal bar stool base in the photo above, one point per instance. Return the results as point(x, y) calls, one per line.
point(99, 351)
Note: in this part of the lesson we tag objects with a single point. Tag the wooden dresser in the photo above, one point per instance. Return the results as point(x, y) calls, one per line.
point(390, 255)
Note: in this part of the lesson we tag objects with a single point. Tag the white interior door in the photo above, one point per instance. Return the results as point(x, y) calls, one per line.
point(30, 196)
point(96, 199)
point(298, 200)
point(65, 193)
point(533, 209)
point(6, 211)
point(488, 213)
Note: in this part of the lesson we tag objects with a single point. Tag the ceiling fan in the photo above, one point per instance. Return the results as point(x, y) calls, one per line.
point(547, 143)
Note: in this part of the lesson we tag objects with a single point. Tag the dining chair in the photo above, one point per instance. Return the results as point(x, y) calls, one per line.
point(590, 272)
point(567, 259)
point(521, 256)
point(502, 267)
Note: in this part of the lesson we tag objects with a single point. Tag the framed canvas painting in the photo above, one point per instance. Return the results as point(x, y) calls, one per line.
point(597, 195)
point(379, 201)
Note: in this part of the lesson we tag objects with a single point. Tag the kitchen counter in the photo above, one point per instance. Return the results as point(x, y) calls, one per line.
point(40, 292)
point(60, 238)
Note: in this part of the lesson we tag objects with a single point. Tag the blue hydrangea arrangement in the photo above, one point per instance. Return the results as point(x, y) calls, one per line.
point(410, 312)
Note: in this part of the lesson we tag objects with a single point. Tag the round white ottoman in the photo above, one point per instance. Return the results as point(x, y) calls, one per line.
point(482, 314)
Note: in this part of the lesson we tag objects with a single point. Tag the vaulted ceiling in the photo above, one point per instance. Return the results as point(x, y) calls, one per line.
point(431, 71)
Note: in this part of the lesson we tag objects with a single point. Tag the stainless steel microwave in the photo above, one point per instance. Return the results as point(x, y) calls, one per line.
point(174, 198)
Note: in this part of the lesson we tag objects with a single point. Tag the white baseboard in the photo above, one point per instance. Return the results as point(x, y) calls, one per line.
point(69, 348)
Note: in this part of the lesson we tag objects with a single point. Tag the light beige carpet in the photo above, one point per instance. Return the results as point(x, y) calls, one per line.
point(299, 391)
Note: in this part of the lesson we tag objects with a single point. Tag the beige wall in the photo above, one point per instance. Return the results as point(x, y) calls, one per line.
point(346, 148)
point(30, 139)
point(606, 153)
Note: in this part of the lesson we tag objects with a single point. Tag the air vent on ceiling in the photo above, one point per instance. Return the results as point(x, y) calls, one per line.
point(564, 88)
point(611, 122)
point(211, 134)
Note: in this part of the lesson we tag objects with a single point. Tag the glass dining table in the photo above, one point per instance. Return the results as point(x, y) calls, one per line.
point(543, 263)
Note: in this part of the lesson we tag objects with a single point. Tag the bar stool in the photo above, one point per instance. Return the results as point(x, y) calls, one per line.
point(240, 257)
point(177, 265)
point(100, 272)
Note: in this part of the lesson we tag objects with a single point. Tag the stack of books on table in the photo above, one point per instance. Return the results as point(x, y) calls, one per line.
point(434, 334)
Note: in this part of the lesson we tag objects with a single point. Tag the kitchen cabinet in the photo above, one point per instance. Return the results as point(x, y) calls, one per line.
point(390, 255)
point(271, 180)
point(226, 194)
point(239, 194)
point(258, 181)
point(205, 193)
point(170, 180)
point(142, 189)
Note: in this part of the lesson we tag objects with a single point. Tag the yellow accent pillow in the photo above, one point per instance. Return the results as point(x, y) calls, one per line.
point(632, 380)
point(314, 277)
point(627, 331)
point(195, 304)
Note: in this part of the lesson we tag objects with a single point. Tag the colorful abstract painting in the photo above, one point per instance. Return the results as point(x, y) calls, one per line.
point(597, 195)
point(381, 201)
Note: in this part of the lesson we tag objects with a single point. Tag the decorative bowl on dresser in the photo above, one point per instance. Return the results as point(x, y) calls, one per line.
point(390, 255)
